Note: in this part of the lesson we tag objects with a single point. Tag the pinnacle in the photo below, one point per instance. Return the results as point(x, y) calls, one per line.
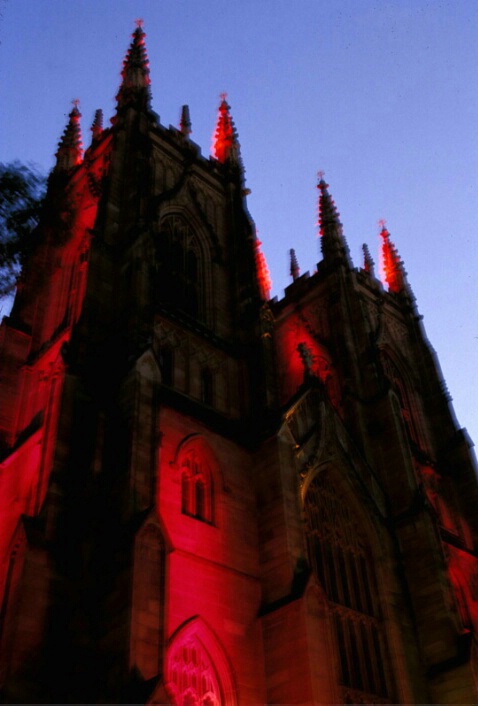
point(328, 214)
point(135, 81)
point(263, 277)
point(97, 126)
point(392, 265)
point(70, 153)
point(185, 123)
point(368, 263)
point(333, 244)
point(225, 142)
point(294, 265)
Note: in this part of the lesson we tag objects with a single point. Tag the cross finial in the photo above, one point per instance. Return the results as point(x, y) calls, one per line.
point(223, 96)
point(139, 22)
point(382, 223)
point(75, 102)
point(320, 174)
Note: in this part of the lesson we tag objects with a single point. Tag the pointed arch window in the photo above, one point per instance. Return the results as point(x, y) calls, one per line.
point(197, 670)
point(180, 268)
point(194, 677)
point(197, 486)
point(341, 560)
point(408, 410)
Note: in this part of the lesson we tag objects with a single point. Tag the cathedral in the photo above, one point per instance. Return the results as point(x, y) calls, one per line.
point(210, 497)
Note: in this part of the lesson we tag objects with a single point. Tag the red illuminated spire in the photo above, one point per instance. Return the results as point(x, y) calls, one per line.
point(135, 74)
point(185, 124)
point(392, 265)
point(70, 152)
point(294, 265)
point(333, 244)
point(225, 142)
point(263, 276)
point(368, 263)
point(97, 127)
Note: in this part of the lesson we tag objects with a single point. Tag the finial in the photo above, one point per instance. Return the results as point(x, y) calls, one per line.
point(294, 265)
point(321, 184)
point(139, 22)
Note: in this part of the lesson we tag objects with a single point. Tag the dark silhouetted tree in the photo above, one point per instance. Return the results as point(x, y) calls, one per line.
point(22, 190)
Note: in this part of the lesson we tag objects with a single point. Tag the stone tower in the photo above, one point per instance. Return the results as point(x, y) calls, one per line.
point(211, 498)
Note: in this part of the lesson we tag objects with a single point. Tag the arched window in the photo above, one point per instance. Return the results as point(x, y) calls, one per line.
point(194, 676)
point(180, 268)
point(341, 560)
point(197, 670)
point(197, 487)
point(408, 410)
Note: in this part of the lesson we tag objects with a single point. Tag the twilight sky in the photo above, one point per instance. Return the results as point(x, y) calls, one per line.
point(382, 95)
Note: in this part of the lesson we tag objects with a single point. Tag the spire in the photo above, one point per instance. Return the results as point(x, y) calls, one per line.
point(333, 242)
point(294, 265)
point(135, 74)
point(368, 263)
point(70, 152)
point(225, 142)
point(393, 270)
point(97, 127)
point(185, 124)
point(263, 277)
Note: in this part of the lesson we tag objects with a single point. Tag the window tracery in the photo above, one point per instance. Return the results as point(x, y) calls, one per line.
point(408, 409)
point(340, 558)
point(196, 485)
point(197, 670)
point(181, 268)
point(192, 674)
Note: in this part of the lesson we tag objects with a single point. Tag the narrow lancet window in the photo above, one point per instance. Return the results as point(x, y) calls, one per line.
point(197, 491)
point(180, 269)
point(342, 561)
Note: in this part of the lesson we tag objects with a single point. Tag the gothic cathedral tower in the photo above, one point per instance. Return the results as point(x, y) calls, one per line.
point(211, 498)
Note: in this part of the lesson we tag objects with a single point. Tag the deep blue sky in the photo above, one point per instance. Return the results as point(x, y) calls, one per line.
point(380, 95)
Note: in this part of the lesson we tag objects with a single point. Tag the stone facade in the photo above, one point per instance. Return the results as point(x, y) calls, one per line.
point(210, 497)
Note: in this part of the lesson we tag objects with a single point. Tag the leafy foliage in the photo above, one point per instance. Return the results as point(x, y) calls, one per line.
point(22, 190)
